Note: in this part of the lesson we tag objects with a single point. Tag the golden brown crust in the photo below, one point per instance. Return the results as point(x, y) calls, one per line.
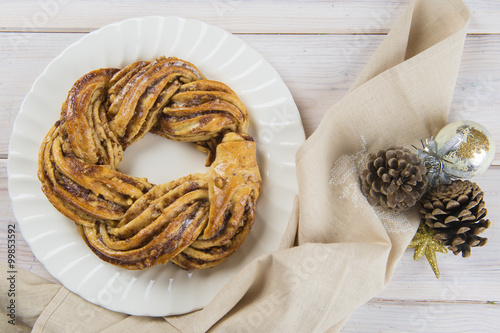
point(196, 221)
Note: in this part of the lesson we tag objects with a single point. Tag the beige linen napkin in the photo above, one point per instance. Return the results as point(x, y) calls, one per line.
point(338, 251)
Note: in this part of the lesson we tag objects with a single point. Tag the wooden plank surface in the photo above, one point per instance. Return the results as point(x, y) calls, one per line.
point(328, 66)
point(237, 16)
point(429, 317)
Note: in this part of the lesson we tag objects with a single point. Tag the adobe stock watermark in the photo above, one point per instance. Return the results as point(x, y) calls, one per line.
point(295, 280)
point(47, 10)
point(378, 20)
point(115, 286)
point(85, 312)
point(484, 90)
point(425, 315)
point(279, 119)
point(223, 7)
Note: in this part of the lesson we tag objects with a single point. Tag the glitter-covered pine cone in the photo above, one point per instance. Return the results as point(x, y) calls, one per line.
point(456, 212)
point(394, 178)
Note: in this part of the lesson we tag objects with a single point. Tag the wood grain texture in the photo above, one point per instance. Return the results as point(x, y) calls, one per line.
point(237, 16)
point(318, 69)
point(429, 317)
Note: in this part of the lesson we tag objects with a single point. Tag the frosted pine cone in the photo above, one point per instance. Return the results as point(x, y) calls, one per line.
point(394, 178)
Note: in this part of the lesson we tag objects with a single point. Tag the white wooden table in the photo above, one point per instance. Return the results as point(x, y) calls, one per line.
point(318, 47)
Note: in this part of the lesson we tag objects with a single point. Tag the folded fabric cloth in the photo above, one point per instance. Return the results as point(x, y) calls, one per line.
point(338, 251)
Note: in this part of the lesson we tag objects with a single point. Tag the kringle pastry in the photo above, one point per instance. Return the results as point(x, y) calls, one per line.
point(196, 221)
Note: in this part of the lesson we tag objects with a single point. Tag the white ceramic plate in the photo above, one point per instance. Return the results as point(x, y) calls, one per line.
point(275, 125)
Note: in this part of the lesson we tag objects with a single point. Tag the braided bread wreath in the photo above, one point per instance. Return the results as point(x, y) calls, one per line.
point(196, 221)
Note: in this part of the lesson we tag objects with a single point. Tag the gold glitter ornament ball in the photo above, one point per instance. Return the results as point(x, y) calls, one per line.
point(466, 148)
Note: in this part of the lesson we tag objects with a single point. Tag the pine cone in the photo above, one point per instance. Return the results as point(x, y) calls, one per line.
point(394, 178)
point(456, 212)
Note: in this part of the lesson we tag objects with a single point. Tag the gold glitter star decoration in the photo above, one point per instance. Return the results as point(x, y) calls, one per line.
point(424, 243)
